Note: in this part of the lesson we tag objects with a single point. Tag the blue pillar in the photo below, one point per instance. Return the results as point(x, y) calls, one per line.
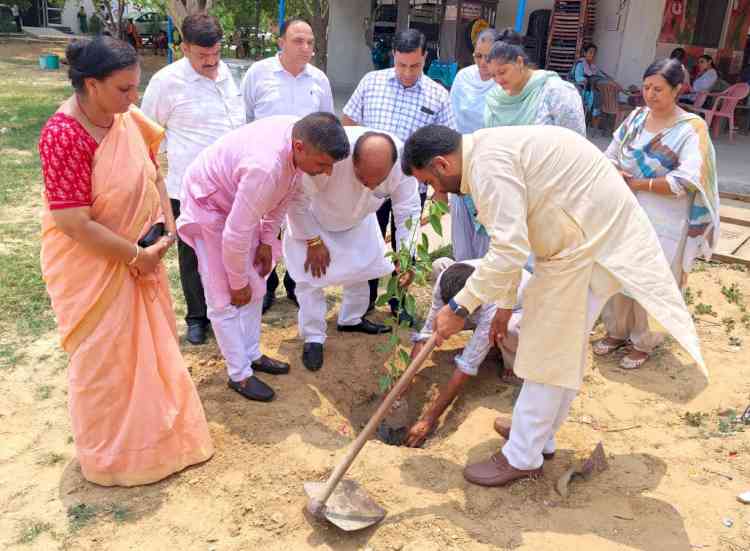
point(282, 13)
point(520, 13)
point(170, 42)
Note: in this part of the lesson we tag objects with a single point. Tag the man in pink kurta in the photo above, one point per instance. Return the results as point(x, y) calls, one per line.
point(235, 195)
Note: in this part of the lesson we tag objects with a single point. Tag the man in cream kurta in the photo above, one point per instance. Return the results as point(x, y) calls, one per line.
point(550, 192)
point(333, 236)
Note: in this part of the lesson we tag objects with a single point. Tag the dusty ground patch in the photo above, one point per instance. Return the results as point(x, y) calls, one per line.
point(674, 471)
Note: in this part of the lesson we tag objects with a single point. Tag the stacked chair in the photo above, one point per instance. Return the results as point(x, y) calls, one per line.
point(573, 23)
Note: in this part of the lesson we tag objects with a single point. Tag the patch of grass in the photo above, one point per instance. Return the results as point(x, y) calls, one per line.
point(120, 513)
point(9, 357)
point(80, 515)
point(51, 459)
point(688, 295)
point(43, 392)
point(729, 324)
point(705, 309)
point(31, 530)
point(733, 293)
point(694, 419)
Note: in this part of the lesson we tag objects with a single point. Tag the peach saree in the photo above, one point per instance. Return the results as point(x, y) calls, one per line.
point(135, 412)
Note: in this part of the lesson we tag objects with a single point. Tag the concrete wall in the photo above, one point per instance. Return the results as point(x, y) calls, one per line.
point(506, 12)
point(348, 55)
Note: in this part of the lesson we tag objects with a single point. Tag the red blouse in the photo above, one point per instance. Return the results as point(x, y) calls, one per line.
point(66, 150)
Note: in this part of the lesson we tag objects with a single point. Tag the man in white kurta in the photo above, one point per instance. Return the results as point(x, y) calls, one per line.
point(335, 221)
point(550, 192)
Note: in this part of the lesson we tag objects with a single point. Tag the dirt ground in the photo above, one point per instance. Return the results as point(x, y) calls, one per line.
point(671, 485)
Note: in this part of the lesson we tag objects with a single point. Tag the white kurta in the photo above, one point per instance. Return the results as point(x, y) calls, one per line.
point(550, 192)
point(341, 210)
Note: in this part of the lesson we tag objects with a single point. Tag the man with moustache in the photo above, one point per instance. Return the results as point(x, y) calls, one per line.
point(197, 101)
point(399, 100)
point(287, 84)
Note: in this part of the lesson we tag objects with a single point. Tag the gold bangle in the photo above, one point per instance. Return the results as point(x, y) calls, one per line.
point(650, 184)
point(314, 242)
point(137, 252)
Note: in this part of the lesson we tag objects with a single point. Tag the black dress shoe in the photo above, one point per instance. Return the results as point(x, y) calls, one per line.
point(252, 388)
point(268, 300)
point(312, 355)
point(365, 326)
point(264, 364)
point(196, 333)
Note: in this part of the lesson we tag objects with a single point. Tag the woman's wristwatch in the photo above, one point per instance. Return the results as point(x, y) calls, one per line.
point(459, 310)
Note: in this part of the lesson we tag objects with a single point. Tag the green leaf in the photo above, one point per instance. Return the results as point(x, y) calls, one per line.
point(425, 242)
point(410, 305)
point(436, 225)
point(442, 207)
point(392, 286)
point(382, 348)
point(382, 300)
point(384, 383)
point(404, 356)
point(408, 223)
point(393, 340)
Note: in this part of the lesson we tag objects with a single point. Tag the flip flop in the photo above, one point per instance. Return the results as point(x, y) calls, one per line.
point(602, 348)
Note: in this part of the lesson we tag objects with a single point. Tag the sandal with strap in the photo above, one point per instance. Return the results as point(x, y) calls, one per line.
point(630, 363)
point(607, 345)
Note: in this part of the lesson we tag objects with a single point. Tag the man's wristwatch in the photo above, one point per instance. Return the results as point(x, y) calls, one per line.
point(458, 309)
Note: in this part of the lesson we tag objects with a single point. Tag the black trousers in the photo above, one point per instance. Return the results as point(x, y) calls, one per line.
point(385, 216)
point(190, 279)
point(19, 27)
point(272, 283)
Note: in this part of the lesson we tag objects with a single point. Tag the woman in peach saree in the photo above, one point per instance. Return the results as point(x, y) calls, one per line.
point(135, 412)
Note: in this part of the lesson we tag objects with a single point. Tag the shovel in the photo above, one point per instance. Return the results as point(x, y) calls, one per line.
point(347, 505)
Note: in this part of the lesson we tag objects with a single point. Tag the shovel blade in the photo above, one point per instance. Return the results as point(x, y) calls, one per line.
point(349, 507)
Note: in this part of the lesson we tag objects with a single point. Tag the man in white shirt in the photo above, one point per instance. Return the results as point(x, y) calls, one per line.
point(287, 84)
point(333, 236)
point(399, 100)
point(197, 101)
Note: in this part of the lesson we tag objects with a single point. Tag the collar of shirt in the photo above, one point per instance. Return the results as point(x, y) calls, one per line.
point(417, 85)
point(279, 68)
point(467, 147)
point(192, 74)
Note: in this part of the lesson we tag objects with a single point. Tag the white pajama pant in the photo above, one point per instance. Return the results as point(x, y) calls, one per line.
point(313, 307)
point(541, 410)
point(237, 329)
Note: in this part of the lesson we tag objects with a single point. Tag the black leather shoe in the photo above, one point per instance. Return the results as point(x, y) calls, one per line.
point(196, 333)
point(264, 364)
point(370, 308)
point(252, 388)
point(365, 326)
point(312, 356)
point(405, 317)
point(268, 300)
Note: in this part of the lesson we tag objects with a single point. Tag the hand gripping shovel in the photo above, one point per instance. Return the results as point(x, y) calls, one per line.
point(347, 505)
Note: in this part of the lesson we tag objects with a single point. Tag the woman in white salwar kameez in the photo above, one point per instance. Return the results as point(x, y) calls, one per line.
point(470, 239)
point(666, 156)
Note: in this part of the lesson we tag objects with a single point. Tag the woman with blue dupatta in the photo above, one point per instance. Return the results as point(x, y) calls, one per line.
point(666, 157)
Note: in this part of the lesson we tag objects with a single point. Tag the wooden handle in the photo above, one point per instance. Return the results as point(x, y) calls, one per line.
point(373, 423)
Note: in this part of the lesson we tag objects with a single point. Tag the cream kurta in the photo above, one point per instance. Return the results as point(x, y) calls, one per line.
point(550, 192)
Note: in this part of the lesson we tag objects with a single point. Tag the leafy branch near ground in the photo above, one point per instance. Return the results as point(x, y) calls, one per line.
point(733, 294)
point(421, 265)
point(705, 309)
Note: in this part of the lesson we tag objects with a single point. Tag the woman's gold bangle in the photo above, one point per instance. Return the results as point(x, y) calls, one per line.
point(650, 184)
point(137, 252)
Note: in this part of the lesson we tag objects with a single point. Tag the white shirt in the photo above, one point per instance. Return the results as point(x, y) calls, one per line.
point(195, 110)
point(339, 202)
point(269, 89)
point(14, 10)
point(480, 321)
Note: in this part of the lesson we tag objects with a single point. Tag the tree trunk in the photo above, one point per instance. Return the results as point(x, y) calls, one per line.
point(317, 13)
point(178, 10)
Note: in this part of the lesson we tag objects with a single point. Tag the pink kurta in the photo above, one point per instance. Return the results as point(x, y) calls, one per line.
point(235, 195)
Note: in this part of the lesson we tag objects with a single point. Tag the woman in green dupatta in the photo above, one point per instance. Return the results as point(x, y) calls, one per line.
point(666, 156)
